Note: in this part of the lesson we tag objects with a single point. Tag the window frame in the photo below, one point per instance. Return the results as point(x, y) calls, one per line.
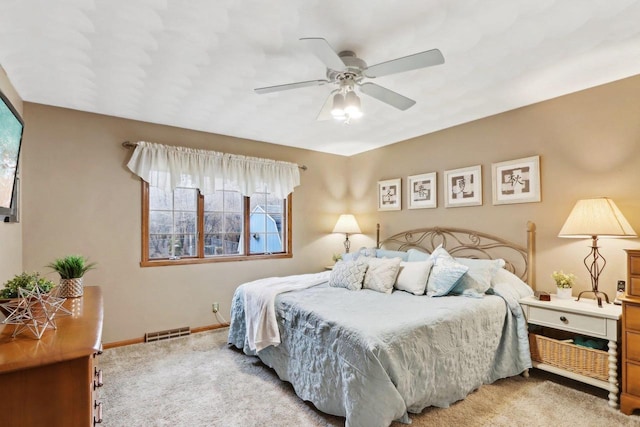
point(200, 258)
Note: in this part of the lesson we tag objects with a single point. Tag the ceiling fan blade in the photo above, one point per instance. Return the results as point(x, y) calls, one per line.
point(406, 63)
point(269, 89)
point(321, 48)
point(325, 111)
point(387, 96)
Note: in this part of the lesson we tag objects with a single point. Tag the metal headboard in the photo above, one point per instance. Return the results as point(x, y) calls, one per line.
point(460, 242)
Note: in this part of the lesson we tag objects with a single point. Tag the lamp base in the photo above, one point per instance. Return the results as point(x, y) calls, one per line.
point(598, 297)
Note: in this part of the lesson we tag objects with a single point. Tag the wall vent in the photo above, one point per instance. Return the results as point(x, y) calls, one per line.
point(165, 335)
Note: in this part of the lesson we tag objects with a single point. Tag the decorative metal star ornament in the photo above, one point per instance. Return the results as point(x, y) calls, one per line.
point(34, 311)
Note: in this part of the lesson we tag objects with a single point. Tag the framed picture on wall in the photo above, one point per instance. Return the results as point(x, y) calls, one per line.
point(463, 187)
point(516, 181)
point(422, 191)
point(390, 195)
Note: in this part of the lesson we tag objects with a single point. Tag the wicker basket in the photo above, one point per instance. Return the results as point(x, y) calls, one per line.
point(580, 360)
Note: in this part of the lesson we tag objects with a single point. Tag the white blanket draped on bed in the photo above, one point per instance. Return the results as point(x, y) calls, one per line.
point(259, 300)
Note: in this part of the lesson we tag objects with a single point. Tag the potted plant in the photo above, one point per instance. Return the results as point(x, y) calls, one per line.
point(564, 283)
point(71, 269)
point(27, 281)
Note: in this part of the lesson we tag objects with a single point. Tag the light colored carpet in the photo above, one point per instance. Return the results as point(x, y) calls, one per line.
point(201, 381)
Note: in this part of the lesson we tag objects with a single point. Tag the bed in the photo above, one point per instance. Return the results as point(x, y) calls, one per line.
point(374, 357)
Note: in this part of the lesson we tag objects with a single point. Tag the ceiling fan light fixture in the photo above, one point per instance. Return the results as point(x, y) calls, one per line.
point(352, 107)
point(338, 110)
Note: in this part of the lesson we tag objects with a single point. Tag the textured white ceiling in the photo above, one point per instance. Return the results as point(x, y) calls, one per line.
point(194, 63)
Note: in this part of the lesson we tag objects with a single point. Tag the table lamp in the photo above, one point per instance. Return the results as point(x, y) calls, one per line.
point(596, 218)
point(347, 224)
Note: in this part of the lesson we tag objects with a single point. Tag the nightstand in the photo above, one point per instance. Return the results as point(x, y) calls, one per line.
point(582, 317)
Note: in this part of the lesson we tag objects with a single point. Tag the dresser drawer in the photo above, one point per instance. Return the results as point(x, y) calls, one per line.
point(634, 264)
point(580, 323)
point(632, 346)
point(634, 286)
point(632, 380)
point(631, 317)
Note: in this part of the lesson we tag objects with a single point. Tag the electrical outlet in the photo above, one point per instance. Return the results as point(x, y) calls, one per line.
point(215, 307)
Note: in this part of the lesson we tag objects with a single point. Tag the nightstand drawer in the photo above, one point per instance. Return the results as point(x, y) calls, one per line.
point(594, 326)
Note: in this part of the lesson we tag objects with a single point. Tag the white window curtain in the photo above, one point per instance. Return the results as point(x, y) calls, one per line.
point(168, 167)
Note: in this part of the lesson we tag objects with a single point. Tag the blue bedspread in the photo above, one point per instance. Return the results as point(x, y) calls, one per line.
point(374, 358)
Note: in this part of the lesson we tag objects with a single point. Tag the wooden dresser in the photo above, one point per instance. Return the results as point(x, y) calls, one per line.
point(630, 397)
point(54, 381)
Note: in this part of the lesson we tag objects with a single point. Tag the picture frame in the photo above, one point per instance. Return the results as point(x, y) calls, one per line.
point(390, 195)
point(463, 187)
point(516, 181)
point(422, 191)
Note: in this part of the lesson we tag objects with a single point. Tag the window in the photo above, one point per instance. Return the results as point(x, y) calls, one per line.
point(185, 227)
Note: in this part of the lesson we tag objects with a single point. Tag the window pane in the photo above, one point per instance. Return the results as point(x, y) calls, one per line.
point(258, 200)
point(159, 246)
point(258, 243)
point(185, 222)
point(233, 201)
point(274, 243)
point(160, 200)
point(213, 223)
point(160, 222)
point(231, 243)
point(185, 199)
point(275, 205)
point(233, 223)
point(184, 245)
point(213, 244)
point(266, 223)
point(214, 202)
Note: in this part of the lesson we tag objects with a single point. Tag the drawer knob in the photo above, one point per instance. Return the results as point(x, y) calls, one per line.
point(564, 319)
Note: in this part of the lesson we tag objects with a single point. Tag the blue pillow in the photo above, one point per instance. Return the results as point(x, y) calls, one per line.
point(445, 273)
point(360, 253)
point(383, 253)
point(477, 281)
point(415, 255)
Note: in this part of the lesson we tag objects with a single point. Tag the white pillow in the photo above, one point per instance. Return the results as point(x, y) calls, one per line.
point(381, 274)
point(413, 276)
point(348, 274)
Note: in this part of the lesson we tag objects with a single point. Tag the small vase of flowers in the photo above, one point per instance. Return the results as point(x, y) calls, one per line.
point(564, 284)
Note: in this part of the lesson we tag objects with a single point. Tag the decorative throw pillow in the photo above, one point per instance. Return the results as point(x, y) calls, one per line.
point(348, 274)
point(413, 276)
point(445, 273)
point(477, 279)
point(381, 274)
point(414, 255)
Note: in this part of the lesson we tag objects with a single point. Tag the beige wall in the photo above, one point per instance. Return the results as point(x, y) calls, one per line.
point(79, 197)
point(589, 145)
point(10, 233)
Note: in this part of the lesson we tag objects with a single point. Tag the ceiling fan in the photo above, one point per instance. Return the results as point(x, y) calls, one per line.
point(347, 71)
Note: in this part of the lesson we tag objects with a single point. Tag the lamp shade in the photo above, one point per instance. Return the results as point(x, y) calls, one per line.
point(346, 224)
point(596, 217)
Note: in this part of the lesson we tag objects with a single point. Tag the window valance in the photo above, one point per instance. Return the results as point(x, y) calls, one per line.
point(168, 167)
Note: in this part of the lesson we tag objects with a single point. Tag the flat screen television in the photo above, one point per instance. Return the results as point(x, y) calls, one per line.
point(11, 126)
